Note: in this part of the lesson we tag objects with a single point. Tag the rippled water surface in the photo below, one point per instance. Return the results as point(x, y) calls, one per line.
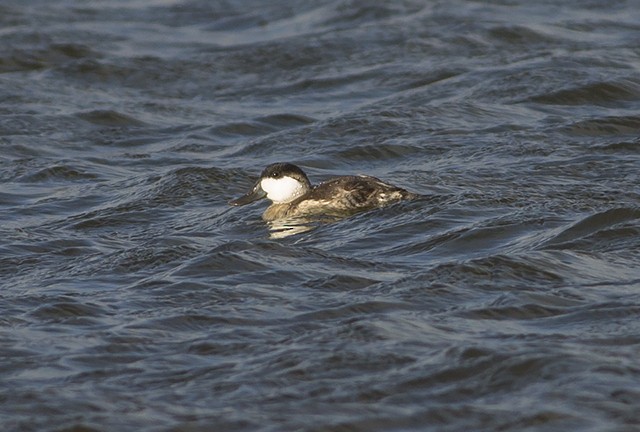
point(132, 297)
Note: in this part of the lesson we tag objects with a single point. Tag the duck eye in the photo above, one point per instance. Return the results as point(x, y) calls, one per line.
point(275, 174)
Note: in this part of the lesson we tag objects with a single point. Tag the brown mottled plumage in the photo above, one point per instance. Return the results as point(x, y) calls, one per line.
point(340, 196)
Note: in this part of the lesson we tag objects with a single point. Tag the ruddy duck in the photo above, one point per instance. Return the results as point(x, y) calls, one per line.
point(292, 195)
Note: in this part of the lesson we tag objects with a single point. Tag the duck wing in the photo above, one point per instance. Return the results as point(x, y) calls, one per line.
point(357, 192)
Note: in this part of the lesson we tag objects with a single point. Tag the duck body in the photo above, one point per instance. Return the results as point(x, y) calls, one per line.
point(292, 195)
point(339, 196)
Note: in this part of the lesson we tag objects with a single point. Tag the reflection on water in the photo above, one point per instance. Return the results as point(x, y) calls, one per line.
point(285, 227)
point(281, 228)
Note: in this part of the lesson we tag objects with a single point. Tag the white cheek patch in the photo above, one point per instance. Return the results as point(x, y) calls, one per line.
point(281, 190)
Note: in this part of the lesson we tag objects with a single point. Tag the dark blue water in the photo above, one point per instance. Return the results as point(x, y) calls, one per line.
point(132, 297)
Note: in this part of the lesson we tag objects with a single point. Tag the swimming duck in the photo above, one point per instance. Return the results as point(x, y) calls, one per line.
point(292, 194)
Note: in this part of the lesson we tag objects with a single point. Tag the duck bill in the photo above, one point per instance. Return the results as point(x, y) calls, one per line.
point(253, 195)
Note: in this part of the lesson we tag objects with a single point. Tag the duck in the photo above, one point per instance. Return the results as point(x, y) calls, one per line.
point(292, 194)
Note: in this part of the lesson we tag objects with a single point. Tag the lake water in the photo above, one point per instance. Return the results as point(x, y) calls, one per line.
point(133, 297)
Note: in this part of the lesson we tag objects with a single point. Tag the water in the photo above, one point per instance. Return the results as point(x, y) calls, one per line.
point(133, 297)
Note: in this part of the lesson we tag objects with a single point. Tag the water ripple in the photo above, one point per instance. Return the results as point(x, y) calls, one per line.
point(133, 297)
